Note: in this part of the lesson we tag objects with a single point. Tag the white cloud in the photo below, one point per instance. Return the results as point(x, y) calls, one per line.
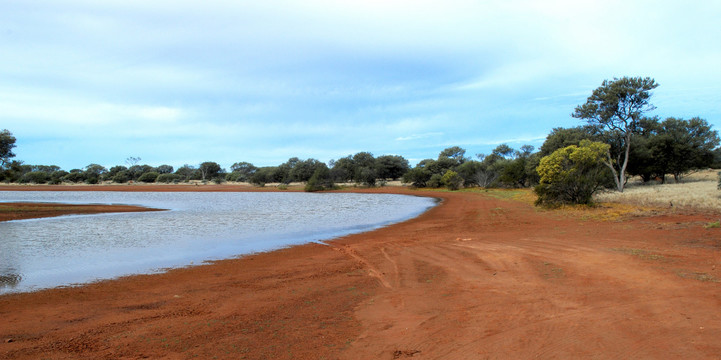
point(419, 136)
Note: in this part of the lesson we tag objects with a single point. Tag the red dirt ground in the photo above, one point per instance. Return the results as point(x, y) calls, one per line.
point(473, 278)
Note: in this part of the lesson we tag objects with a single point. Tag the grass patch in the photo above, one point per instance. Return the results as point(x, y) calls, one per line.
point(697, 276)
point(713, 225)
point(698, 191)
point(640, 253)
point(551, 271)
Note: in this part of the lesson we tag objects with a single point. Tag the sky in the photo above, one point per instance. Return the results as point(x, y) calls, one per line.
point(183, 82)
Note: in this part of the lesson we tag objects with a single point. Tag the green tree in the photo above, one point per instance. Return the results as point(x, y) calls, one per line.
point(209, 170)
point(417, 177)
point(304, 169)
point(242, 171)
point(391, 166)
point(320, 180)
point(121, 177)
point(149, 177)
point(263, 175)
point(455, 153)
point(35, 177)
point(688, 145)
point(559, 138)
point(617, 106)
point(135, 171)
point(110, 174)
point(186, 172)
point(343, 169)
point(164, 169)
point(75, 176)
point(93, 173)
point(7, 143)
point(572, 174)
point(364, 169)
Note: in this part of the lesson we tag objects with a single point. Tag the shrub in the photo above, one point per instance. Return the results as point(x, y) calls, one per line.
point(35, 177)
point(168, 178)
point(321, 180)
point(572, 174)
point(417, 176)
point(57, 177)
point(148, 177)
point(434, 181)
point(121, 177)
point(74, 176)
point(452, 180)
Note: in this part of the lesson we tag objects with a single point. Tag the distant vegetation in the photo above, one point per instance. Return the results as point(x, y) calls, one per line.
point(618, 141)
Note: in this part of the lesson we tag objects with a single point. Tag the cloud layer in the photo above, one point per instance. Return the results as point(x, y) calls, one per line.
point(184, 82)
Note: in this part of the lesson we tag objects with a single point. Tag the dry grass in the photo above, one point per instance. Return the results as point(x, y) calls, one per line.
point(694, 191)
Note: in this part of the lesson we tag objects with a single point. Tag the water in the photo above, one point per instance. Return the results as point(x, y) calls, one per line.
point(68, 250)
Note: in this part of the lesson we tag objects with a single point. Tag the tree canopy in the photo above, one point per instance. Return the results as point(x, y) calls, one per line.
point(617, 107)
point(7, 143)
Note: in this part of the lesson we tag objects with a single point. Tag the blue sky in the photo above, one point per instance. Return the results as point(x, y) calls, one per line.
point(182, 82)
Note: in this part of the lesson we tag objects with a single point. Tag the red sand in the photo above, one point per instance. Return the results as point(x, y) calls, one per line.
point(473, 278)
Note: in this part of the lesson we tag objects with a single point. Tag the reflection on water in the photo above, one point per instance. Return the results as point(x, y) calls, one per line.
point(42, 253)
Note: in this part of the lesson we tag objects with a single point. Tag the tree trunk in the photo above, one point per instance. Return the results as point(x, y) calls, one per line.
point(609, 163)
point(622, 172)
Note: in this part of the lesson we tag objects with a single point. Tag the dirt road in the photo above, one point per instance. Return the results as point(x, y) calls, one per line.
point(474, 278)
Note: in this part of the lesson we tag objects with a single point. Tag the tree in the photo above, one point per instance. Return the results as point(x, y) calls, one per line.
point(304, 170)
point(559, 138)
point(164, 169)
point(617, 106)
point(572, 174)
point(456, 153)
point(7, 143)
point(135, 171)
point(343, 169)
point(149, 177)
point(93, 172)
point(391, 166)
point(364, 168)
point(242, 171)
point(504, 151)
point(209, 170)
point(320, 180)
point(417, 177)
point(132, 161)
point(186, 171)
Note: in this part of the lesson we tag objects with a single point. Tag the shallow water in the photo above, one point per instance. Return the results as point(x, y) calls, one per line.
point(42, 253)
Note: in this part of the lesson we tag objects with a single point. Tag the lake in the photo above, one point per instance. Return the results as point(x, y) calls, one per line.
point(198, 227)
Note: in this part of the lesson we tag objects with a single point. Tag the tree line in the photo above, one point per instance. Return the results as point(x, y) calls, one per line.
point(617, 141)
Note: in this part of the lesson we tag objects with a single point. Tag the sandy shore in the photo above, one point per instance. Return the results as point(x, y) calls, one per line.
point(474, 278)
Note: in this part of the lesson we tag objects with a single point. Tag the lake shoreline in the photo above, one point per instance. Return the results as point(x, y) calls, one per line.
point(475, 276)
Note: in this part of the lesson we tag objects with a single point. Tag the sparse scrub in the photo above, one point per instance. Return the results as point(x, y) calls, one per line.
point(696, 191)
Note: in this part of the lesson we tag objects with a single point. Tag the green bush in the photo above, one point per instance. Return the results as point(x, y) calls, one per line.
point(121, 177)
point(35, 177)
point(148, 177)
point(74, 176)
point(168, 178)
point(321, 180)
point(57, 177)
point(435, 181)
point(572, 174)
point(452, 180)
